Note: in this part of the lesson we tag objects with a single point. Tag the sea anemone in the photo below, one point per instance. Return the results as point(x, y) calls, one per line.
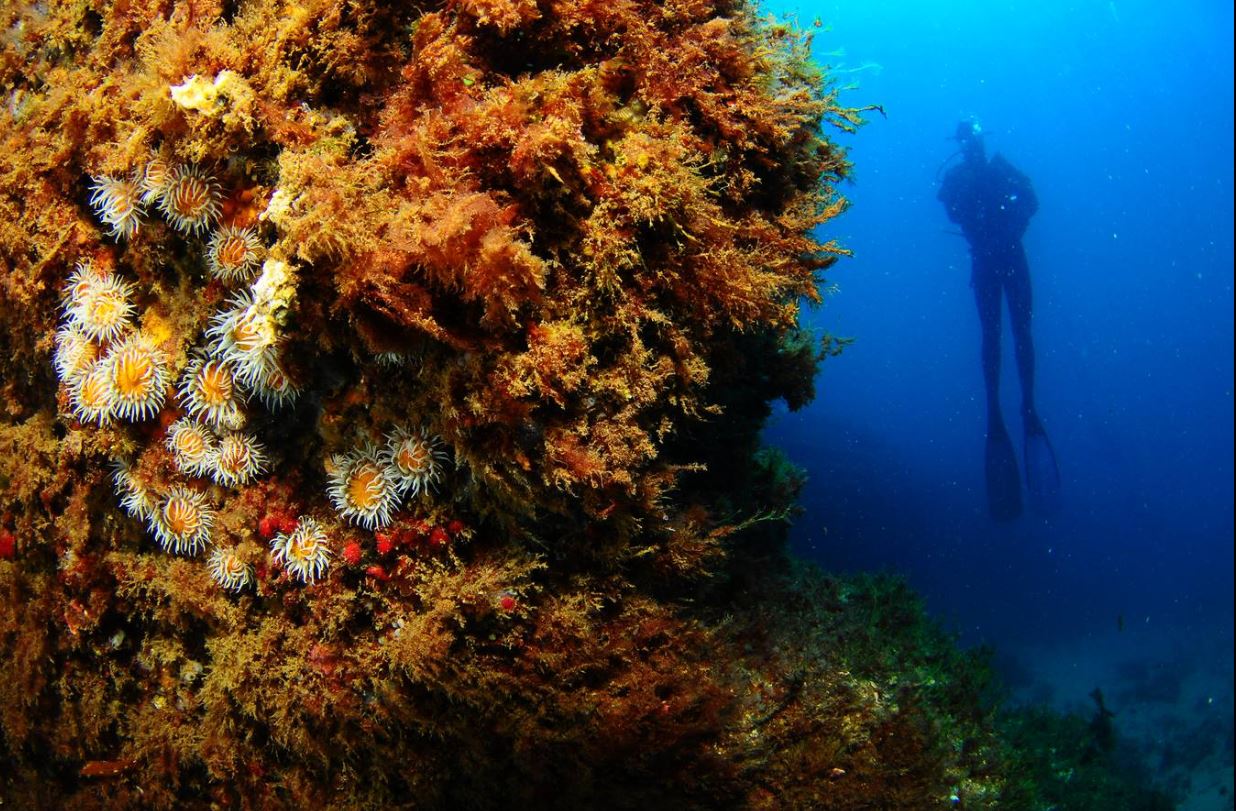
point(245, 338)
point(91, 394)
point(75, 352)
point(192, 446)
point(239, 459)
point(137, 375)
point(156, 177)
point(135, 497)
point(85, 277)
point(304, 552)
point(190, 200)
point(101, 307)
point(362, 488)
point(208, 392)
point(274, 388)
point(118, 204)
point(233, 254)
point(181, 521)
point(413, 459)
point(228, 569)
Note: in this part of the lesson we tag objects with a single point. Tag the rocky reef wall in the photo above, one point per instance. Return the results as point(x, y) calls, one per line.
point(381, 387)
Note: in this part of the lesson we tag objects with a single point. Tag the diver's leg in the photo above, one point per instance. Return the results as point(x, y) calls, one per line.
point(1042, 471)
point(1000, 468)
point(987, 296)
point(1017, 288)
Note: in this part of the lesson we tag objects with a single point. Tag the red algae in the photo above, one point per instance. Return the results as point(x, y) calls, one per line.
point(548, 255)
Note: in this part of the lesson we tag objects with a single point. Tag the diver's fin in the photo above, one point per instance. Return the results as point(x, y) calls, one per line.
point(1042, 472)
point(1003, 481)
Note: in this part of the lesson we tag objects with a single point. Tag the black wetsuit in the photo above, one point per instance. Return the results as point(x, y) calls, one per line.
point(993, 203)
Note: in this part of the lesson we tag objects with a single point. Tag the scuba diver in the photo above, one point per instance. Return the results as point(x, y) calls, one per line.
point(993, 203)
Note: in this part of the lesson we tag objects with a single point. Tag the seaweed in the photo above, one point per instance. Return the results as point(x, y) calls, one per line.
point(493, 522)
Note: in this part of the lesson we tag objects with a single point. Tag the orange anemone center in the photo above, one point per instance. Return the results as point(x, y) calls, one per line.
point(94, 391)
point(234, 456)
point(132, 374)
point(365, 487)
point(104, 309)
point(246, 335)
point(301, 548)
point(182, 517)
point(412, 457)
point(191, 444)
point(233, 252)
point(214, 385)
point(189, 197)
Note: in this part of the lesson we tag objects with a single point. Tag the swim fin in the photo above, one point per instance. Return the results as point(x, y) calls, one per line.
point(1042, 472)
point(1003, 481)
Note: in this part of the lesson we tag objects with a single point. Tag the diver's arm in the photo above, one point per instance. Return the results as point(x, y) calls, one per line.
point(949, 197)
point(1032, 200)
point(1020, 197)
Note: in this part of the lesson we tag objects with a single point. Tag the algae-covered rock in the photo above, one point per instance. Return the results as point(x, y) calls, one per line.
point(381, 395)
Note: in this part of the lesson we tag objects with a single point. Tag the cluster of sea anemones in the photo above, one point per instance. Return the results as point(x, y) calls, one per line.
point(186, 195)
point(181, 519)
point(110, 369)
point(246, 339)
point(113, 371)
point(229, 459)
point(367, 485)
point(188, 198)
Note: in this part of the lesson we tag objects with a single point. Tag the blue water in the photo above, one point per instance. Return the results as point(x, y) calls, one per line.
point(1121, 115)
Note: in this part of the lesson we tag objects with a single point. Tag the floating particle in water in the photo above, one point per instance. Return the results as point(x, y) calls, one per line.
point(192, 445)
point(190, 201)
point(118, 203)
point(138, 377)
point(233, 254)
point(304, 552)
point(362, 488)
point(229, 570)
point(181, 521)
point(414, 459)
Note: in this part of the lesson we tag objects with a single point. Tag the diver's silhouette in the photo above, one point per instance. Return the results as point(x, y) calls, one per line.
point(993, 203)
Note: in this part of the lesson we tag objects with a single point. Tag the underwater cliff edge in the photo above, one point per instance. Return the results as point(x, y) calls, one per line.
point(381, 396)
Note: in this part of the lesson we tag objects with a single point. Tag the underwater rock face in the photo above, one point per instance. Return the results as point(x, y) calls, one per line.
point(382, 386)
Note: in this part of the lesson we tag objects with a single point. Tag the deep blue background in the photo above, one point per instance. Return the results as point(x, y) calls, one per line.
point(1121, 114)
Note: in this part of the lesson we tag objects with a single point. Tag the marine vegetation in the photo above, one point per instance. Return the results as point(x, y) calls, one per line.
point(381, 388)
